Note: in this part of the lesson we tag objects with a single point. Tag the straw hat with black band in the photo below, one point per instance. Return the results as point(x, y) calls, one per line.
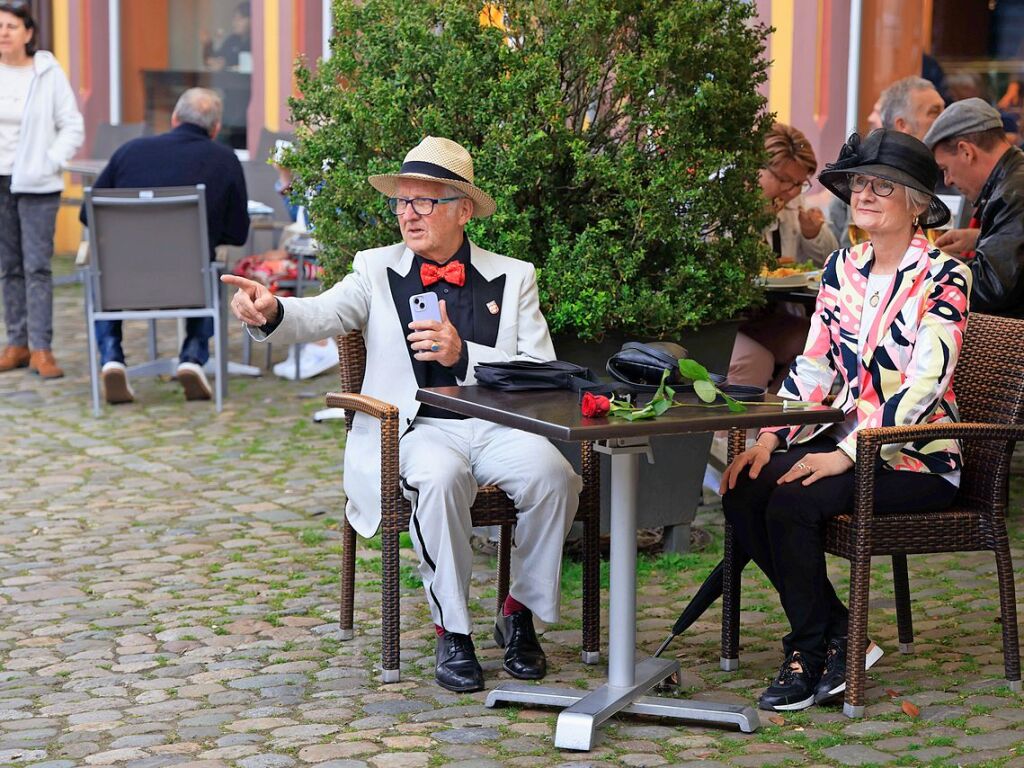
point(893, 156)
point(442, 161)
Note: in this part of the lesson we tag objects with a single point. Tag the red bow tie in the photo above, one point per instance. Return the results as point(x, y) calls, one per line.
point(454, 273)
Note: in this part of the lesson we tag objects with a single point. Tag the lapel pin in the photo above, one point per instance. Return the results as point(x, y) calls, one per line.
point(492, 307)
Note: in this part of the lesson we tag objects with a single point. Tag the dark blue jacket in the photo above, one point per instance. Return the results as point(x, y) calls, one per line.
point(183, 157)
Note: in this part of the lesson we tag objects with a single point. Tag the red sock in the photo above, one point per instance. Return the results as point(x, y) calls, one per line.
point(511, 605)
point(439, 629)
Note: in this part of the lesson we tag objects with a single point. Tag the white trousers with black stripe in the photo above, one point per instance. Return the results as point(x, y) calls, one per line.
point(443, 462)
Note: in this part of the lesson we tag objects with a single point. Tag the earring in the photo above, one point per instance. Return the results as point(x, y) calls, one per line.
point(916, 219)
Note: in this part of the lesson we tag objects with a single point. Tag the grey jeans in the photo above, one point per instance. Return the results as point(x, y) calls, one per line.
point(27, 224)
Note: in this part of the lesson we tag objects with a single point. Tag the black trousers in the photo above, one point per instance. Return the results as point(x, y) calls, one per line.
point(782, 528)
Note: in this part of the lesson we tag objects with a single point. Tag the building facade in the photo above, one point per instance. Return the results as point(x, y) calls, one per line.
point(129, 59)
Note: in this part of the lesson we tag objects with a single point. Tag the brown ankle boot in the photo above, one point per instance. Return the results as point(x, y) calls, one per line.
point(13, 357)
point(42, 362)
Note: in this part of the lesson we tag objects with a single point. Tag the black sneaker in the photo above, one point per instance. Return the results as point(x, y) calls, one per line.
point(833, 679)
point(793, 688)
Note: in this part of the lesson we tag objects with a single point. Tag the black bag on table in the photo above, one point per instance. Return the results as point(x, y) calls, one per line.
point(516, 375)
point(641, 365)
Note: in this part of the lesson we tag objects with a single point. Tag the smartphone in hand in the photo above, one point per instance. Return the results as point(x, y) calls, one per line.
point(424, 306)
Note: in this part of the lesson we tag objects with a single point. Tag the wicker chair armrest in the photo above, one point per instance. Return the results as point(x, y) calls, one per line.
point(873, 439)
point(870, 441)
point(371, 406)
point(387, 414)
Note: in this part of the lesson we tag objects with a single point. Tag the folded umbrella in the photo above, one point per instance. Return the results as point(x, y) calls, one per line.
point(708, 592)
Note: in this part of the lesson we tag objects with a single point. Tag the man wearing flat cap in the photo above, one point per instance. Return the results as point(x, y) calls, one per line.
point(971, 149)
point(490, 311)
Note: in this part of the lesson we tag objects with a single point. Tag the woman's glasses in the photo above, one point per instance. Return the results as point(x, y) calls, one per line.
point(789, 184)
point(880, 187)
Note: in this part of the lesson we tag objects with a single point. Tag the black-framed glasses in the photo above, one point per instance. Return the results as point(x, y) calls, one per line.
point(423, 206)
point(881, 187)
point(788, 184)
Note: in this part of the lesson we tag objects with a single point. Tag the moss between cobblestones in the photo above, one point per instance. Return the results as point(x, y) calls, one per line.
point(162, 493)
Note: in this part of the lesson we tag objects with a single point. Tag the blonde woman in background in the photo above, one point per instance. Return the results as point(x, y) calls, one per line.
point(771, 341)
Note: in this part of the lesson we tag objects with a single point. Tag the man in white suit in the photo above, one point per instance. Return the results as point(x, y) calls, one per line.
point(490, 311)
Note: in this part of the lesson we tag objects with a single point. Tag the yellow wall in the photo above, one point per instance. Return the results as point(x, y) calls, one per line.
point(271, 56)
point(780, 89)
point(69, 231)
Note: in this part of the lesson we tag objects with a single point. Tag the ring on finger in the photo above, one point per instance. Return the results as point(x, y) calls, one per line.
point(435, 347)
point(801, 465)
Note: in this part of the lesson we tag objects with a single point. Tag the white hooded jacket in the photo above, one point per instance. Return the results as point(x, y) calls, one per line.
point(51, 129)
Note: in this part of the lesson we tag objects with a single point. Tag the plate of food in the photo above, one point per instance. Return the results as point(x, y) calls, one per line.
point(813, 278)
point(791, 276)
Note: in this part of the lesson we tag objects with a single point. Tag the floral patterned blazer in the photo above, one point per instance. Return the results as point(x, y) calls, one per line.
point(908, 359)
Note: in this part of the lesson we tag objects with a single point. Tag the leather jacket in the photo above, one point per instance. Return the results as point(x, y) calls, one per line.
point(998, 265)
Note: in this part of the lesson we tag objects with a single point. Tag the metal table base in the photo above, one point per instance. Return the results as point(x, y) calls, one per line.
point(628, 680)
point(584, 712)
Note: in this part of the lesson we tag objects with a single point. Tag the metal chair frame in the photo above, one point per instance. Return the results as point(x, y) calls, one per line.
point(145, 201)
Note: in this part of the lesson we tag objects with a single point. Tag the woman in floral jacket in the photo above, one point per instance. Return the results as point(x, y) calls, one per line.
point(885, 337)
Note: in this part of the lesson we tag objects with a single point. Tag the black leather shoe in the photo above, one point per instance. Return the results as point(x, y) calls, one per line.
point(457, 668)
point(524, 658)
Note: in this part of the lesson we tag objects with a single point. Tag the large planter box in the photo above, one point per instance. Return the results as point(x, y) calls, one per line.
point(670, 489)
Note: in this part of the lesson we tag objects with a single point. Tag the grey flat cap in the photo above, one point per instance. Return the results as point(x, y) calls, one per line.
point(963, 117)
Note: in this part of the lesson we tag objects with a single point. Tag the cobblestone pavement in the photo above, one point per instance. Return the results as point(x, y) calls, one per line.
point(168, 596)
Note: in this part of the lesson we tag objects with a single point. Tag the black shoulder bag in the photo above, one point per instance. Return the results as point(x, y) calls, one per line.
point(641, 365)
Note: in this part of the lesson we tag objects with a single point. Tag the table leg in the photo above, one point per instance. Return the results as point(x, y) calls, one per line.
point(625, 481)
point(628, 680)
point(300, 274)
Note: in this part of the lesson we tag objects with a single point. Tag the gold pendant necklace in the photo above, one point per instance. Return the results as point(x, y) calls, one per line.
point(873, 301)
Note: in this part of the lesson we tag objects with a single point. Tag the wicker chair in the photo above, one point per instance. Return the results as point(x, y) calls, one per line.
point(492, 507)
point(989, 385)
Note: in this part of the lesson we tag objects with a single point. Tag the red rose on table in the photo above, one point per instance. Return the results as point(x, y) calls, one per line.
point(594, 405)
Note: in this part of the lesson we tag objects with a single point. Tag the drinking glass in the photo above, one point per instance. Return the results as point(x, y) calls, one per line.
point(857, 235)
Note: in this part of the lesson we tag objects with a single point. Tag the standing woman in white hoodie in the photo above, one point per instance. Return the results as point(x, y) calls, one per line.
point(40, 130)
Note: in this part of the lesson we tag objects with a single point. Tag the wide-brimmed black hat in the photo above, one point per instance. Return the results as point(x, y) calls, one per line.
point(890, 155)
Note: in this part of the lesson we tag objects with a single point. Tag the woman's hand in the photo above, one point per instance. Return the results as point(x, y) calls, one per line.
point(756, 456)
point(815, 466)
point(811, 221)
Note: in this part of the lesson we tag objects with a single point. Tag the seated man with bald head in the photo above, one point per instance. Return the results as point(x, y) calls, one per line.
point(184, 156)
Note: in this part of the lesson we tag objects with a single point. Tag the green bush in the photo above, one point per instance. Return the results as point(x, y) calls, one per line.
point(597, 125)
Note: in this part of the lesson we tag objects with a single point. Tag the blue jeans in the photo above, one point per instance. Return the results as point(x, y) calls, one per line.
point(195, 348)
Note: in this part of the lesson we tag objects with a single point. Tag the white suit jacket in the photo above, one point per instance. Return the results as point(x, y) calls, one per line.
point(374, 298)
